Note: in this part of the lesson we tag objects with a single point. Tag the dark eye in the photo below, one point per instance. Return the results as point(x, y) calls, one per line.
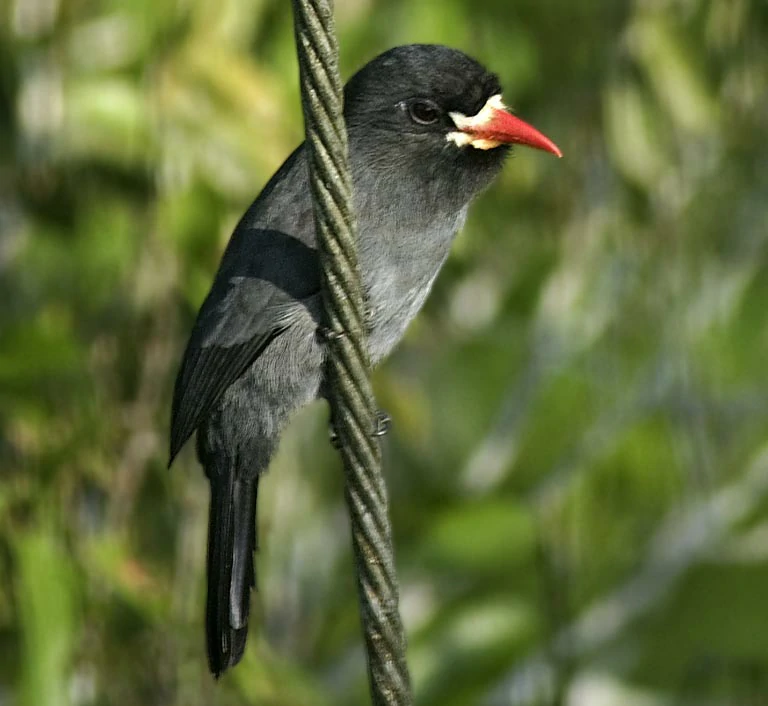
point(424, 112)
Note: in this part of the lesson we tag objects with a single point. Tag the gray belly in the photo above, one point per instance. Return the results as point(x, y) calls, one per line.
point(393, 305)
point(399, 268)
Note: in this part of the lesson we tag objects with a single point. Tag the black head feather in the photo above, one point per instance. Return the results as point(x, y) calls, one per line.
point(450, 78)
point(383, 104)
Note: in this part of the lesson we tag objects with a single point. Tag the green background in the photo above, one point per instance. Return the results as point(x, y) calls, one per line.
point(578, 467)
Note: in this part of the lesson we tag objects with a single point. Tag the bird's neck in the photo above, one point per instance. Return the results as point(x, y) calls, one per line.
point(402, 243)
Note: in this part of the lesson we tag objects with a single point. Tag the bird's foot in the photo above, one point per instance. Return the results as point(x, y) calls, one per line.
point(382, 423)
point(326, 334)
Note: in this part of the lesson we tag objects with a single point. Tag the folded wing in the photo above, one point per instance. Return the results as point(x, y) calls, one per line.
point(256, 292)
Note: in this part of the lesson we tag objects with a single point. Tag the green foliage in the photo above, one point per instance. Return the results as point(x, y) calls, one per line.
point(578, 467)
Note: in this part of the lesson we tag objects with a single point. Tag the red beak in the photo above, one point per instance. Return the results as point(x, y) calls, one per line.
point(505, 127)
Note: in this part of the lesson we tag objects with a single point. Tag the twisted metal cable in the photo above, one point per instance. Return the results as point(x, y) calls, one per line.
point(353, 408)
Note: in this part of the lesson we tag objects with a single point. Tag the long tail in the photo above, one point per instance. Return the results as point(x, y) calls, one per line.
point(231, 544)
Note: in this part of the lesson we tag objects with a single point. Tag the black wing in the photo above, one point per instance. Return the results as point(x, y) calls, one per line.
point(205, 374)
point(250, 304)
point(269, 267)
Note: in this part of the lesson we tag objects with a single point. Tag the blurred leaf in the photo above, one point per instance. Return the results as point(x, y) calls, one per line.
point(676, 76)
point(480, 537)
point(107, 118)
point(632, 134)
point(44, 590)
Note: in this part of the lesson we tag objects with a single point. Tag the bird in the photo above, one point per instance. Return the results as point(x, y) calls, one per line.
point(427, 132)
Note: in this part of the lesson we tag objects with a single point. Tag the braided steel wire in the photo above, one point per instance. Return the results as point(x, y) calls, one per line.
point(353, 408)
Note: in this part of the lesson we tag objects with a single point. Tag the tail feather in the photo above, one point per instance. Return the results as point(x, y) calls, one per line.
point(231, 576)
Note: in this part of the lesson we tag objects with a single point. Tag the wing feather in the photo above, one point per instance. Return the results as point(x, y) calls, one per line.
point(268, 270)
point(205, 375)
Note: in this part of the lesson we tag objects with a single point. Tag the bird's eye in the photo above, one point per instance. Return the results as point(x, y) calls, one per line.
point(424, 112)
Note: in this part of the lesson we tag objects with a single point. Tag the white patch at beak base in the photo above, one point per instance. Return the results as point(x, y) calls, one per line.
point(463, 136)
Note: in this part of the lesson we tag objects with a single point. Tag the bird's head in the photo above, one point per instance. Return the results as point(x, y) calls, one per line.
point(421, 106)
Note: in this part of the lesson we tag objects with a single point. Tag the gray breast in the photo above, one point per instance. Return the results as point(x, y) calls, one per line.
point(398, 274)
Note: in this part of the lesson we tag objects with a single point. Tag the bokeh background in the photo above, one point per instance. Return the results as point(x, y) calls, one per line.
point(579, 462)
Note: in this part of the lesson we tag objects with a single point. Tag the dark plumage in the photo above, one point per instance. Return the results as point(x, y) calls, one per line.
point(426, 135)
